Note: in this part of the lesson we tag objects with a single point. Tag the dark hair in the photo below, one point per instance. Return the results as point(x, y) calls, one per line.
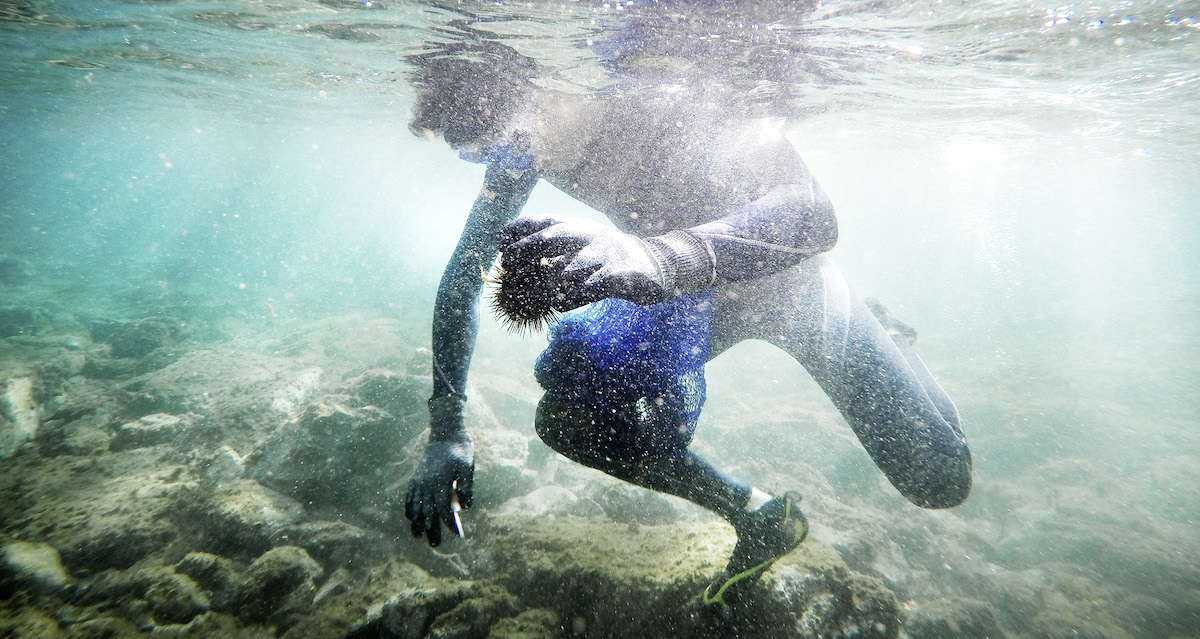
point(469, 98)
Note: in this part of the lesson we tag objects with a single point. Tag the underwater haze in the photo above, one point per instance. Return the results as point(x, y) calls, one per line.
point(220, 246)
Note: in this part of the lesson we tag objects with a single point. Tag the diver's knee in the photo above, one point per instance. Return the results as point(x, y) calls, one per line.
point(551, 422)
point(947, 496)
point(567, 428)
point(946, 486)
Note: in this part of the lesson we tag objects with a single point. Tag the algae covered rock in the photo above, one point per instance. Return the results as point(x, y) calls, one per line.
point(623, 580)
point(132, 338)
point(535, 623)
point(331, 454)
point(174, 598)
point(341, 449)
point(104, 628)
point(951, 618)
point(822, 597)
point(212, 573)
point(30, 565)
point(146, 596)
point(148, 430)
point(238, 519)
point(25, 622)
point(271, 580)
point(19, 414)
point(337, 543)
point(110, 521)
point(450, 609)
point(15, 320)
point(212, 625)
point(74, 437)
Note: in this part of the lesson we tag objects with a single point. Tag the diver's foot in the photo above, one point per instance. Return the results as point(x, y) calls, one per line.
point(764, 536)
point(892, 325)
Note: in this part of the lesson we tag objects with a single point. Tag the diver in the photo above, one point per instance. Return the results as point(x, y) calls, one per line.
point(719, 234)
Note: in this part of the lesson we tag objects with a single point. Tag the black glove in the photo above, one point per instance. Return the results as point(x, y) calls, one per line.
point(586, 261)
point(444, 477)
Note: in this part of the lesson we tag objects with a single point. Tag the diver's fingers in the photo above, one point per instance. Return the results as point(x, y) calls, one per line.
point(418, 526)
point(415, 513)
point(446, 516)
point(466, 486)
point(552, 242)
point(573, 290)
point(433, 532)
point(524, 227)
point(409, 513)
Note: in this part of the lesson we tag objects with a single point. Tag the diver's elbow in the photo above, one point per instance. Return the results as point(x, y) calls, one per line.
point(813, 216)
point(822, 227)
point(827, 232)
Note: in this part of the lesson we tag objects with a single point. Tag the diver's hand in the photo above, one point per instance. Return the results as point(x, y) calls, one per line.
point(445, 474)
point(588, 261)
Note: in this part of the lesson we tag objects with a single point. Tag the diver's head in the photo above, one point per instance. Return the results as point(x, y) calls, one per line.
point(470, 102)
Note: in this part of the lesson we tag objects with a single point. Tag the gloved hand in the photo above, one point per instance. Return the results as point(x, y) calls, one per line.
point(446, 471)
point(587, 261)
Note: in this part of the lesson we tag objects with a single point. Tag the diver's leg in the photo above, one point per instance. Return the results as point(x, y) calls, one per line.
point(767, 528)
point(901, 415)
point(904, 337)
point(572, 430)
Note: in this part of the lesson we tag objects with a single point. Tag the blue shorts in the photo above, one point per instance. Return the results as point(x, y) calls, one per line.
point(639, 370)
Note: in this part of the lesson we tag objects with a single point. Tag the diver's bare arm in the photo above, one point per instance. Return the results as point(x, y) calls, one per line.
point(455, 315)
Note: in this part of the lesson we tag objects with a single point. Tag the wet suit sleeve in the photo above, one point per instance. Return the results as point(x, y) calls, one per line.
point(456, 310)
point(446, 470)
point(788, 224)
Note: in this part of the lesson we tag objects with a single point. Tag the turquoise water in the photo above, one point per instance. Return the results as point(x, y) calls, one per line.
point(1018, 181)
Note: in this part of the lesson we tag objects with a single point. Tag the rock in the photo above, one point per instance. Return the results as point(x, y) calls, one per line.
point(337, 452)
point(292, 397)
point(238, 519)
point(634, 583)
point(826, 599)
point(27, 622)
point(223, 466)
point(212, 573)
point(338, 583)
point(420, 363)
point(535, 623)
point(132, 339)
point(75, 437)
point(14, 272)
point(104, 628)
point(336, 543)
point(19, 415)
point(474, 616)
point(149, 430)
point(495, 484)
point(628, 504)
point(544, 500)
point(399, 395)
point(211, 625)
point(157, 592)
point(97, 517)
point(34, 566)
point(454, 609)
point(174, 598)
point(951, 618)
point(16, 321)
point(271, 580)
